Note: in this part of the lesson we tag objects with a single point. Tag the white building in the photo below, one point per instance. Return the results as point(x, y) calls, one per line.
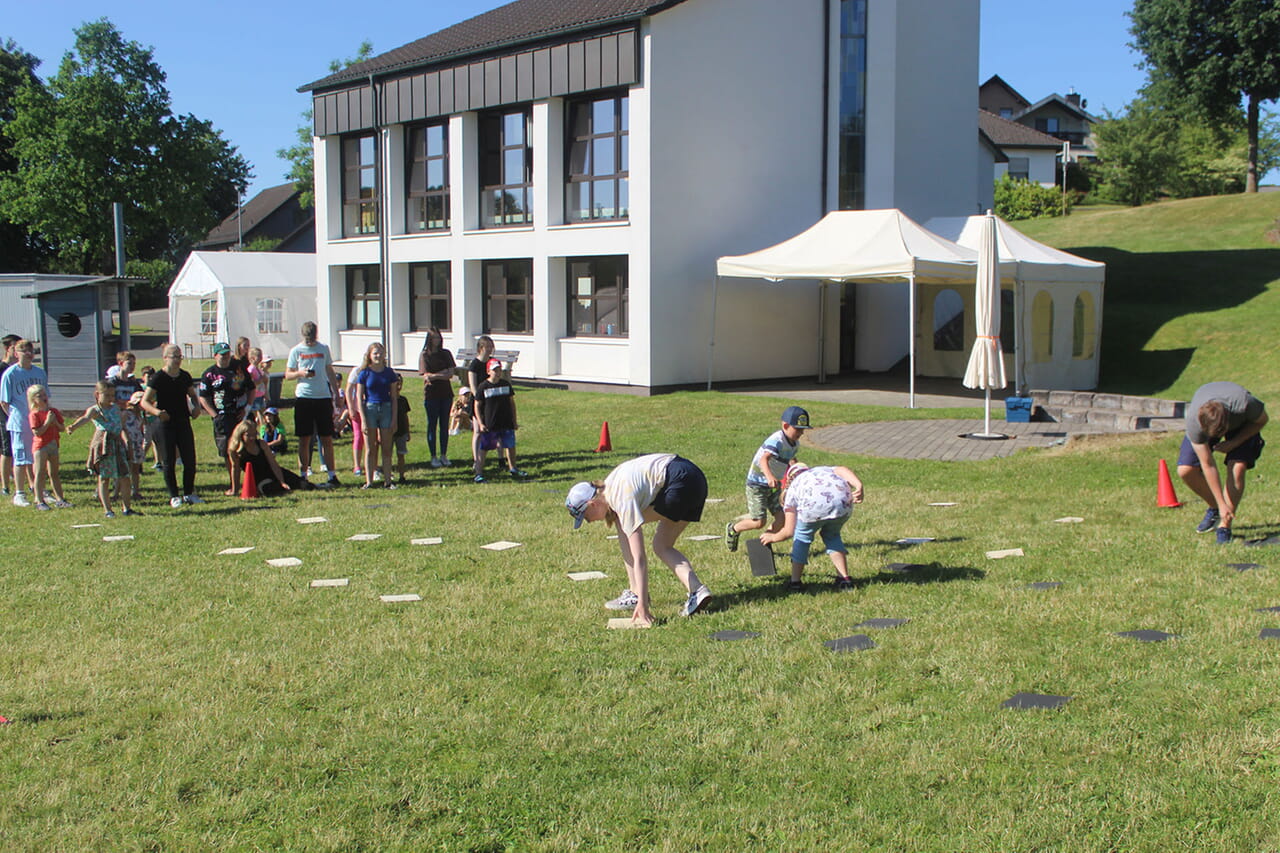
point(562, 176)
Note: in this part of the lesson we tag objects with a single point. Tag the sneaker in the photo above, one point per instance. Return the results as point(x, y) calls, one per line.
point(20, 499)
point(333, 480)
point(132, 512)
point(192, 498)
point(327, 484)
point(700, 596)
point(377, 476)
point(61, 504)
point(517, 473)
point(1210, 520)
point(358, 471)
point(478, 478)
point(1224, 535)
point(159, 466)
point(176, 503)
point(435, 462)
point(41, 505)
point(731, 536)
point(843, 583)
point(626, 601)
point(795, 586)
point(366, 485)
point(390, 485)
point(4, 492)
point(306, 472)
point(444, 462)
point(110, 514)
point(403, 481)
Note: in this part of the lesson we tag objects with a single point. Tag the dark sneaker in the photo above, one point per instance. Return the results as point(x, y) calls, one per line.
point(795, 586)
point(1210, 520)
point(731, 536)
point(844, 583)
point(1224, 535)
point(478, 478)
point(517, 474)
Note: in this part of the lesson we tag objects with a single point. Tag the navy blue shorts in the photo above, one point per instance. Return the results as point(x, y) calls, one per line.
point(685, 493)
point(1247, 453)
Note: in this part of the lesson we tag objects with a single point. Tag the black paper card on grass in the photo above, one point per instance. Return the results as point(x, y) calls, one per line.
point(1044, 585)
point(377, 506)
point(856, 643)
point(1275, 609)
point(761, 558)
point(1026, 701)
point(1269, 634)
point(902, 568)
point(1147, 636)
point(735, 635)
point(1244, 567)
point(882, 623)
point(1259, 543)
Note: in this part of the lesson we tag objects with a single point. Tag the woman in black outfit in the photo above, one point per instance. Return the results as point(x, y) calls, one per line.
point(171, 397)
point(436, 366)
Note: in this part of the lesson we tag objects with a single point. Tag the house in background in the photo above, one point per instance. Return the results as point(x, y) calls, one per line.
point(563, 175)
point(1029, 155)
point(1061, 116)
point(275, 214)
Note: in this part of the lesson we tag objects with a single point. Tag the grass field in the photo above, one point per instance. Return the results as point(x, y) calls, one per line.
point(165, 697)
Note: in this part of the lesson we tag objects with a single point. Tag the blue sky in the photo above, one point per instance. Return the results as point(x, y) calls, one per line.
point(238, 64)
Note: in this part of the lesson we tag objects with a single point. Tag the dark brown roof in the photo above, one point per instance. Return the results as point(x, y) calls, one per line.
point(255, 210)
point(1010, 134)
point(515, 23)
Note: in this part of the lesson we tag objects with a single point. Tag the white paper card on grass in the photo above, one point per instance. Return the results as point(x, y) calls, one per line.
point(501, 545)
point(704, 537)
point(715, 500)
point(1069, 519)
point(319, 582)
point(244, 550)
point(83, 526)
point(426, 540)
point(315, 519)
point(284, 562)
point(943, 503)
point(364, 537)
point(1007, 552)
point(914, 540)
point(587, 576)
point(392, 599)
point(125, 537)
point(625, 623)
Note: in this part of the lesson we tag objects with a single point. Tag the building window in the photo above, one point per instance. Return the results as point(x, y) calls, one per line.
point(948, 321)
point(598, 159)
point(1006, 113)
point(429, 296)
point(359, 186)
point(1042, 328)
point(428, 169)
point(1084, 336)
point(364, 298)
point(508, 296)
point(1047, 125)
point(208, 316)
point(853, 104)
point(1020, 168)
point(506, 170)
point(598, 296)
point(270, 312)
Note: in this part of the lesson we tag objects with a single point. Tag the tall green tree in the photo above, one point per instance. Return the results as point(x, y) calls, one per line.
point(102, 130)
point(21, 250)
point(300, 155)
point(1218, 53)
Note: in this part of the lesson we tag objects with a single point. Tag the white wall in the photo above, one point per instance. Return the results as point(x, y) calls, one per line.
point(1041, 165)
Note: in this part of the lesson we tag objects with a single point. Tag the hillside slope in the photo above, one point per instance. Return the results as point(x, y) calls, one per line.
point(1192, 293)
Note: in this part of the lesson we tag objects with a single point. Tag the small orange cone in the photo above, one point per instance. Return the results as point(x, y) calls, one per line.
point(248, 484)
point(1165, 496)
point(605, 443)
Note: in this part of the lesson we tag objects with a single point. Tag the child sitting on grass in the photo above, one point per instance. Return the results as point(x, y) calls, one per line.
point(460, 413)
point(764, 477)
point(272, 432)
point(46, 425)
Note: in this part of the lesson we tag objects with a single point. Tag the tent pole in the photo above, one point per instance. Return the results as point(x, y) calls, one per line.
point(822, 332)
point(711, 347)
point(1018, 385)
point(911, 341)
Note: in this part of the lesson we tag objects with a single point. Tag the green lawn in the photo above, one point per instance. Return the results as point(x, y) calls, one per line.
point(165, 697)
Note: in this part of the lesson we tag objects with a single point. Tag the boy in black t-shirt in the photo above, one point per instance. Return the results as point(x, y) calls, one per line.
point(496, 423)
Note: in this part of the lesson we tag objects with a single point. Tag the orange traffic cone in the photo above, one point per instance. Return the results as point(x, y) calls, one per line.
point(605, 443)
point(1165, 496)
point(248, 484)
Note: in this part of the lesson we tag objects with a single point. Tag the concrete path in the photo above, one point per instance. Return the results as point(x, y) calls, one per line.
point(942, 439)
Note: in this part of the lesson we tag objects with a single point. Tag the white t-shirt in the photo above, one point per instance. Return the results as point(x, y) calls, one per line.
point(632, 486)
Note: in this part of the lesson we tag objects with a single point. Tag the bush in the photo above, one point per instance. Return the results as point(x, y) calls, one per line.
point(1019, 199)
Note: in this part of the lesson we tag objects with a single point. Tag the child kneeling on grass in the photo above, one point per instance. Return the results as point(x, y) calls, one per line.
point(817, 501)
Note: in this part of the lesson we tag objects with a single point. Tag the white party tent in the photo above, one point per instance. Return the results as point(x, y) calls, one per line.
point(1052, 311)
point(265, 296)
point(886, 251)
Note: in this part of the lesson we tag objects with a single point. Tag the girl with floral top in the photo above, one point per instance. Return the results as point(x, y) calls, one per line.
point(108, 449)
point(817, 501)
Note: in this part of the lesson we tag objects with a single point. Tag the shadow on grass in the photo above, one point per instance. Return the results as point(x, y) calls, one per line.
point(776, 588)
point(1145, 290)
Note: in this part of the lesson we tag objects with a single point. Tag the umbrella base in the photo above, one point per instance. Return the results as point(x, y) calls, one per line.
point(986, 436)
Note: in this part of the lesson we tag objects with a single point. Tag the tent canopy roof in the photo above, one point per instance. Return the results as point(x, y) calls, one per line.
point(206, 273)
point(1020, 256)
point(858, 245)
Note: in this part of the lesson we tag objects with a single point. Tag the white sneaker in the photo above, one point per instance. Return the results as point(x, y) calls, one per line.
point(626, 601)
point(699, 597)
point(176, 503)
point(20, 499)
point(377, 476)
point(192, 498)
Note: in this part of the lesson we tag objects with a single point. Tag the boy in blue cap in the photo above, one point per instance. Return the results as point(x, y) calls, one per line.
point(764, 477)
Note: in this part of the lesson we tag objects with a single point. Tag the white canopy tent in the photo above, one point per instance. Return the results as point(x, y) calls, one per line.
point(856, 246)
point(265, 296)
point(1056, 295)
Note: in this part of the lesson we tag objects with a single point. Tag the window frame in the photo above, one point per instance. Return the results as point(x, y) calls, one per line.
point(430, 297)
point(208, 316)
point(274, 308)
point(493, 302)
point(494, 149)
point(359, 211)
point(619, 178)
point(418, 151)
point(574, 296)
point(358, 303)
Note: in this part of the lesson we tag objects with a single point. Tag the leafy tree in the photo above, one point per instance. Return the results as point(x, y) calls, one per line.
point(21, 250)
point(1136, 153)
point(1016, 198)
point(301, 155)
point(262, 244)
point(1219, 52)
point(101, 130)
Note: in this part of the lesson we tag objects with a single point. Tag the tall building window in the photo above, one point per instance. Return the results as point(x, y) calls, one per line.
point(852, 133)
point(270, 315)
point(429, 296)
point(427, 196)
point(359, 186)
point(364, 298)
point(506, 169)
point(508, 295)
point(598, 296)
point(598, 154)
point(208, 316)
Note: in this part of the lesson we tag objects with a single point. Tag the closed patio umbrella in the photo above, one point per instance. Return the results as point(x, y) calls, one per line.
point(986, 362)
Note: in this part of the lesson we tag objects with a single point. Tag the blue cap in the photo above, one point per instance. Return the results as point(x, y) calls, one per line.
point(796, 417)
